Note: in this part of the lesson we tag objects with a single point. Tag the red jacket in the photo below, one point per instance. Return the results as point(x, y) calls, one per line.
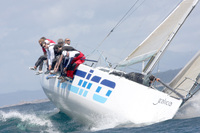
point(50, 41)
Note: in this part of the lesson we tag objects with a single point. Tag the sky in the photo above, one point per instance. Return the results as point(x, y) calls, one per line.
point(86, 23)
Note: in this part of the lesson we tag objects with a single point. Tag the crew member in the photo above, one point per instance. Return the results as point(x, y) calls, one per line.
point(49, 47)
point(72, 58)
point(148, 80)
point(43, 57)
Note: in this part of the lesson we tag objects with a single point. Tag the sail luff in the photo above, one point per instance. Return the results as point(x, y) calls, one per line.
point(160, 52)
point(158, 40)
point(186, 78)
point(149, 67)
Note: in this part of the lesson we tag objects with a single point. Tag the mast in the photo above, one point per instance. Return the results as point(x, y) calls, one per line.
point(154, 59)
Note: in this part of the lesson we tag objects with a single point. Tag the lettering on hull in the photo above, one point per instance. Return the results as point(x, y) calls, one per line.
point(164, 102)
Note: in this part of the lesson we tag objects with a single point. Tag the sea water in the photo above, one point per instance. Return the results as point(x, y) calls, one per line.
point(44, 117)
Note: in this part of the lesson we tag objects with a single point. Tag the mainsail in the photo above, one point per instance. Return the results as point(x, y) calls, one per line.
point(187, 77)
point(156, 43)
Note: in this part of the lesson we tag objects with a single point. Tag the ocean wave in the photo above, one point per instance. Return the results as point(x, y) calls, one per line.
point(26, 122)
point(30, 118)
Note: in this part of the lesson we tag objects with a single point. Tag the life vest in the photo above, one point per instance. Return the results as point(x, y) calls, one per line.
point(74, 64)
point(49, 41)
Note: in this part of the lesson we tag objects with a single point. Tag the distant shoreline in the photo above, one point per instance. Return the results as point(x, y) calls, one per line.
point(26, 102)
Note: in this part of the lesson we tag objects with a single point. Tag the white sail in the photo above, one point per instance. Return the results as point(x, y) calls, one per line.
point(159, 39)
point(186, 78)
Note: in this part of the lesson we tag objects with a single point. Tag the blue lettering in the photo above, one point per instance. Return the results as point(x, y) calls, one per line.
point(108, 93)
point(96, 79)
point(74, 89)
point(80, 73)
point(85, 86)
point(80, 82)
point(98, 89)
point(89, 86)
point(99, 98)
point(88, 76)
point(85, 93)
point(108, 83)
point(80, 92)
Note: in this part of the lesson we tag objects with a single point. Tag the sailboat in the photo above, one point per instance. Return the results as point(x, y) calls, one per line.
point(96, 93)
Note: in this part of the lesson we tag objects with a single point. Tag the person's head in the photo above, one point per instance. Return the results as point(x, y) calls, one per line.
point(43, 38)
point(57, 49)
point(67, 41)
point(152, 78)
point(44, 45)
point(41, 41)
point(60, 42)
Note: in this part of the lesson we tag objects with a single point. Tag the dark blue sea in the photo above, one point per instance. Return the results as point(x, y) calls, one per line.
point(44, 117)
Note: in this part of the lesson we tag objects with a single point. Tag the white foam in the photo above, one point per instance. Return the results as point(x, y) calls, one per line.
point(106, 121)
point(30, 118)
point(190, 109)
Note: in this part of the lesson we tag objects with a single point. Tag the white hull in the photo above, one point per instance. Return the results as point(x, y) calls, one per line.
point(95, 95)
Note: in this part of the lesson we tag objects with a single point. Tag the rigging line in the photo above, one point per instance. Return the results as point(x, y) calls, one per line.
point(121, 20)
point(140, 5)
point(133, 10)
point(138, 26)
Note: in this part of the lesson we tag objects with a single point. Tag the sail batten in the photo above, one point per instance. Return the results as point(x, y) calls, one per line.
point(161, 37)
point(139, 58)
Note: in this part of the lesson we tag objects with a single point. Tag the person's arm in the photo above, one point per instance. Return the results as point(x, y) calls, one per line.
point(48, 57)
point(65, 67)
point(157, 79)
point(70, 55)
point(51, 57)
point(58, 63)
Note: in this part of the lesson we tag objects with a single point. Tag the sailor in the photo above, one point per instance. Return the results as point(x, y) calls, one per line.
point(72, 58)
point(49, 47)
point(67, 42)
point(74, 63)
point(42, 57)
point(58, 54)
point(60, 42)
point(67, 53)
point(149, 80)
point(146, 80)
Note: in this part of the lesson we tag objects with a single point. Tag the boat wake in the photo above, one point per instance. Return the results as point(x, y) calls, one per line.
point(190, 109)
